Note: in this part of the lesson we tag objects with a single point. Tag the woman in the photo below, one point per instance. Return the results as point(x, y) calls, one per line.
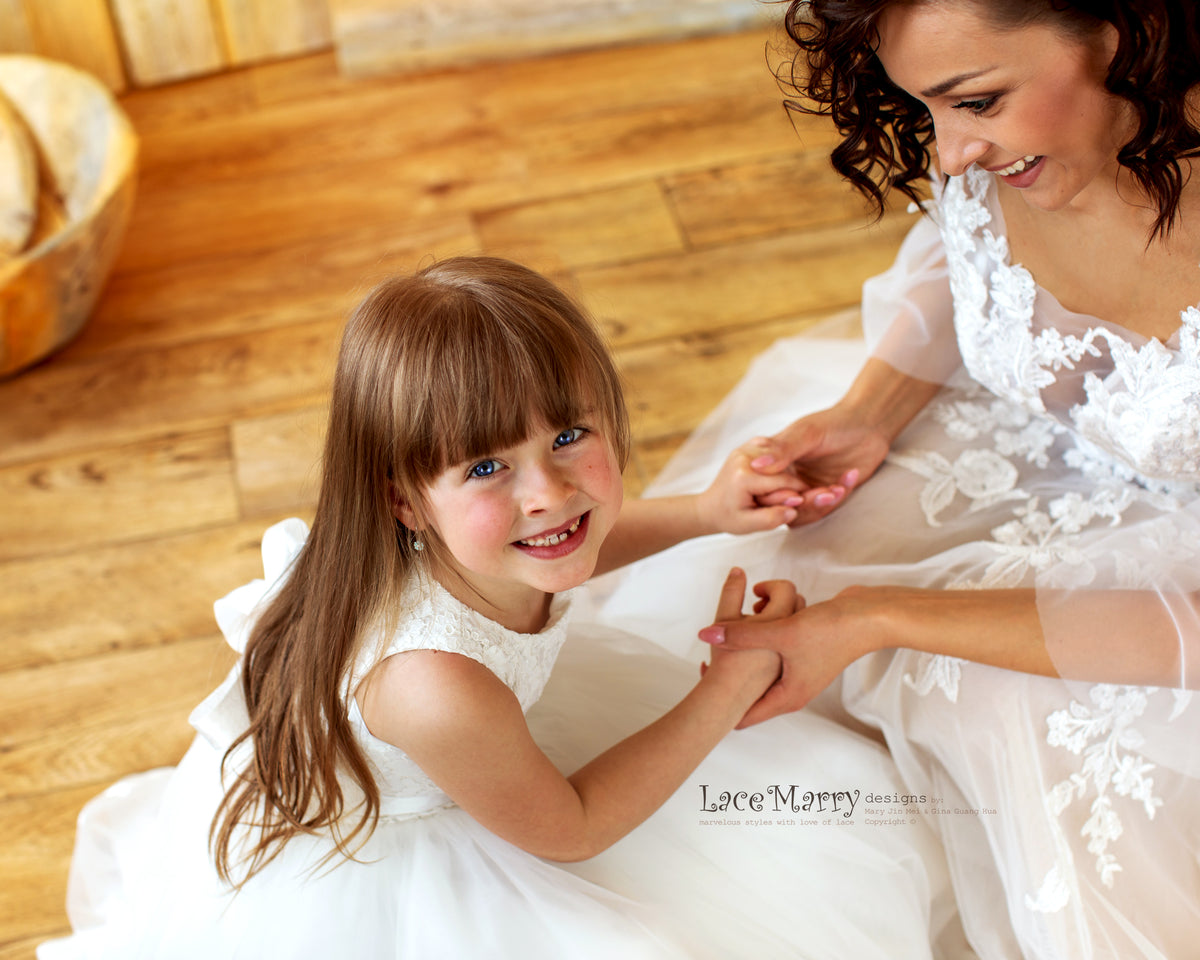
point(1014, 597)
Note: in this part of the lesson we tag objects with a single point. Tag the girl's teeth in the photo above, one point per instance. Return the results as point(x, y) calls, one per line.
point(553, 539)
point(1019, 167)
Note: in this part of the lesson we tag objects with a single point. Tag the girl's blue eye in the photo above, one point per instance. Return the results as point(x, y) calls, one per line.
point(484, 468)
point(571, 435)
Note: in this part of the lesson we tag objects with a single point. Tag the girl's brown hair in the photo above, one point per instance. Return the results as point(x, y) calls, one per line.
point(887, 134)
point(464, 358)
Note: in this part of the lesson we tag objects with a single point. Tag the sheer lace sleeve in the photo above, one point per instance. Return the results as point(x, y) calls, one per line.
point(908, 312)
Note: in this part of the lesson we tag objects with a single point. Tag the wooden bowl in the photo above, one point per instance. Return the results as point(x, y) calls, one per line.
point(85, 151)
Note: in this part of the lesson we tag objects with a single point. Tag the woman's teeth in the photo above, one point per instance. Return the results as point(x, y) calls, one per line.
point(1019, 167)
point(554, 538)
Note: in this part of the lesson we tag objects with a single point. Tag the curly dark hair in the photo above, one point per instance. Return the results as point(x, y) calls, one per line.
point(887, 134)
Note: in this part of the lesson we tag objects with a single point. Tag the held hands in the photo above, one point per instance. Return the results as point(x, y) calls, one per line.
point(816, 462)
point(735, 501)
point(776, 598)
point(817, 643)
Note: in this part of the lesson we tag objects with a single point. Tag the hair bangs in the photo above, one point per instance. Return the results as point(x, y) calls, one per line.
point(500, 382)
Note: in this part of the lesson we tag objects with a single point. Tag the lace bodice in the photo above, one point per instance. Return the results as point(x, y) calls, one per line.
point(1133, 398)
point(435, 620)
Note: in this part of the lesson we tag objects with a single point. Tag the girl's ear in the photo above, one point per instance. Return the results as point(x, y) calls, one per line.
point(402, 511)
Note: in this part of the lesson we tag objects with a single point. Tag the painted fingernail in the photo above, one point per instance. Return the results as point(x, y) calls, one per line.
point(850, 478)
point(824, 499)
point(713, 635)
point(764, 461)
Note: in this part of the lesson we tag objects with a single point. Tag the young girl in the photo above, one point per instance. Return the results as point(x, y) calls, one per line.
point(365, 782)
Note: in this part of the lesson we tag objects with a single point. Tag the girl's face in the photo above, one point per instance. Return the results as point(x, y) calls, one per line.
point(526, 521)
point(1026, 103)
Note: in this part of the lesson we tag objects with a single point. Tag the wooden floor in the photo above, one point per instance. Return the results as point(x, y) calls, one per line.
point(664, 184)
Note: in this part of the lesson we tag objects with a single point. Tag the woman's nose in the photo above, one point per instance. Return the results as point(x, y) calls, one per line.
point(958, 149)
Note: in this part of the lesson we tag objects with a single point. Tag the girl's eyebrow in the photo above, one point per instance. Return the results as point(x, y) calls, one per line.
point(941, 89)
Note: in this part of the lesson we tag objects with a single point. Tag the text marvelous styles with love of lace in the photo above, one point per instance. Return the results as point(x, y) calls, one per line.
point(779, 798)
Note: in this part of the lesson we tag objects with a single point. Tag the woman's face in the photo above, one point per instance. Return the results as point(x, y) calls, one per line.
point(1026, 103)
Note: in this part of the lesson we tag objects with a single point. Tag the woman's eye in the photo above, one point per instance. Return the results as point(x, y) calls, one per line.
point(571, 435)
point(977, 107)
point(485, 468)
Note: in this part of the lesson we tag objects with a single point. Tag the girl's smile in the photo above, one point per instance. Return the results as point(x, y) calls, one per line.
point(558, 542)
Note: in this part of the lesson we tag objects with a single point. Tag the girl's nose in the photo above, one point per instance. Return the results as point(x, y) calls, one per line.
point(546, 490)
point(958, 149)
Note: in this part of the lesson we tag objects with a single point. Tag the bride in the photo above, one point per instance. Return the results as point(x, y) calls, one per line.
point(1005, 578)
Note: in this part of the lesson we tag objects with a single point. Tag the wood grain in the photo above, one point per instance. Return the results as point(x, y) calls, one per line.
point(257, 30)
point(168, 39)
point(79, 32)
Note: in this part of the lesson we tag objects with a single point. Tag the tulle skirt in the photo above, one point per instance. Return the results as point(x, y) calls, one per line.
point(767, 852)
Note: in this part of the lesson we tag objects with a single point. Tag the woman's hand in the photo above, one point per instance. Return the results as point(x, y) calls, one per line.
point(832, 451)
point(816, 643)
point(824, 456)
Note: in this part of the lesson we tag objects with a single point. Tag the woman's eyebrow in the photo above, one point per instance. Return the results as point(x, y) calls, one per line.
point(940, 89)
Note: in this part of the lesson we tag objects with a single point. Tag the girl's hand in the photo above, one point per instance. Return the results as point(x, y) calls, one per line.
point(744, 500)
point(776, 599)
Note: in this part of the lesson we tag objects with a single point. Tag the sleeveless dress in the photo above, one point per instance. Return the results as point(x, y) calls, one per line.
point(1062, 454)
point(761, 854)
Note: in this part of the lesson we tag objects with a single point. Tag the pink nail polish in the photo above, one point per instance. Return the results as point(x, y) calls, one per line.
point(713, 635)
point(824, 499)
point(850, 478)
point(758, 463)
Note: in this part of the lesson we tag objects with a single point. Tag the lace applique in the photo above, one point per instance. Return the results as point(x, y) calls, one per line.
point(1105, 736)
point(1146, 411)
point(936, 670)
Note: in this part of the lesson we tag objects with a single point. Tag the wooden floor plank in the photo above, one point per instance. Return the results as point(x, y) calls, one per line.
point(101, 600)
point(70, 699)
point(315, 278)
point(110, 495)
point(740, 284)
point(132, 396)
point(616, 225)
point(278, 460)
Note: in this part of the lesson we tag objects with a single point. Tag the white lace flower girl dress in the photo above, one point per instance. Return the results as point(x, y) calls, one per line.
point(703, 878)
point(1063, 454)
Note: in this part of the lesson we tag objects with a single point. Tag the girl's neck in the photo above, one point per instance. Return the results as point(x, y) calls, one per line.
point(525, 611)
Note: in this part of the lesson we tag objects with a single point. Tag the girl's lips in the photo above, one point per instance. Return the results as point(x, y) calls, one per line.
point(559, 546)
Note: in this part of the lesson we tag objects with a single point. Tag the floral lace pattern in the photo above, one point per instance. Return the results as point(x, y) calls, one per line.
point(1145, 412)
point(1133, 441)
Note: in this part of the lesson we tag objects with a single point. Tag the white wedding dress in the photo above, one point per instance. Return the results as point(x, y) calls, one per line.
point(1063, 453)
point(785, 865)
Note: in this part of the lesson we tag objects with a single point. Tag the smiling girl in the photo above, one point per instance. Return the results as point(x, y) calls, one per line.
point(365, 782)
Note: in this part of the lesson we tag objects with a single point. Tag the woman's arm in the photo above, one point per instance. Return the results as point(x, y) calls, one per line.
point(1117, 636)
point(465, 729)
